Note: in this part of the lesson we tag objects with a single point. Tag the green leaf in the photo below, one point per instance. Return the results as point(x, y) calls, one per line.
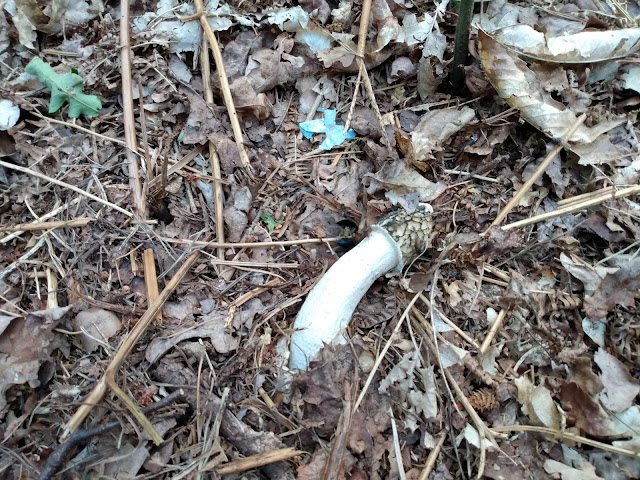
point(65, 88)
point(270, 222)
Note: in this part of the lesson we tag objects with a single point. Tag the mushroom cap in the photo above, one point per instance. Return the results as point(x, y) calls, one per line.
point(411, 231)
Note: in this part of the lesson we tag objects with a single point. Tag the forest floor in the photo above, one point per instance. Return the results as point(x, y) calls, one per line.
point(156, 246)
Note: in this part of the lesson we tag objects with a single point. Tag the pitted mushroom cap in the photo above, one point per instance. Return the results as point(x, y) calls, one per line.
point(412, 232)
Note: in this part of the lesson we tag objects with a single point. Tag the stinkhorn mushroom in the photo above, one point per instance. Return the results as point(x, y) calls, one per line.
point(393, 242)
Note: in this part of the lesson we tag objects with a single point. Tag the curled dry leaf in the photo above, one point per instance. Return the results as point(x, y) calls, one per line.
point(581, 47)
point(49, 16)
point(617, 288)
point(521, 87)
point(25, 344)
point(434, 131)
point(620, 388)
point(401, 179)
point(568, 473)
point(212, 326)
point(97, 326)
point(537, 403)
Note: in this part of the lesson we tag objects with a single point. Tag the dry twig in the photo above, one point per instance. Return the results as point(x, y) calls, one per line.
point(201, 16)
point(576, 206)
point(493, 330)
point(35, 226)
point(432, 458)
point(214, 160)
point(151, 279)
point(255, 461)
point(108, 378)
point(127, 107)
point(526, 186)
point(73, 188)
point(561, 436)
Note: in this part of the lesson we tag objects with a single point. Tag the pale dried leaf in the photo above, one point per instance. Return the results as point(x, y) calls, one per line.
point(211, 327)
point(97, 326)
point(537, 403)
point(617, 288)
point(620, 388)
point(25, 345)
point(568, 473)
point(399, 178)
point(436, 128)
point(520, 87)
point(582, 47)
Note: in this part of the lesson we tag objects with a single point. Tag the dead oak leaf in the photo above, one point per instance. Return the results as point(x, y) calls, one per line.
point(25, 345)
point(620, 388)
point(617, 288)
point(211, 326)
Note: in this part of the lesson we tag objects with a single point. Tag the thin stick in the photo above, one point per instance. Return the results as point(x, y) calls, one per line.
point(254, 461)
point(574, 207)
point(384, 351)
point(224, 81)
point(57, 209)
point(374, 104)
point(143, 130)
point(79, 128)
point(127, 109)
point(281, 243)
point(52, 289)
point(57, 458)
point(334, 463)
point(492, 331)
point(179, 164)
point(214, 160)
point(561, 436)
point(526, 186)
point(151, 279)
point(585, 196)
point(97, 394)
point(425, 323)
point(362, 42)
point(356, 89)
point(481, 427)
point(396, 447)
point(134, 409)
point(364, 26)
point(35, 226)
point(24, 257)
point(432, 458)
point(239, 263)
point(446, 320)
point(46, 178)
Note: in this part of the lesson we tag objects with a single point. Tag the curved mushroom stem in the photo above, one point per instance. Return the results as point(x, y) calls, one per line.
point(326, 312)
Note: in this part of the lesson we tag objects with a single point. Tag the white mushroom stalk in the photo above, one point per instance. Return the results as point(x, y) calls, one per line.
point(393, 242)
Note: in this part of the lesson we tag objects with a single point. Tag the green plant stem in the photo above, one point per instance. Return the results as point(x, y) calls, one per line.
point(461, 45)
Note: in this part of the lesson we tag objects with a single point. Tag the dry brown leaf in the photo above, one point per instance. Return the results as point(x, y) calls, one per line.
point(25, 345)
point(587, 413)
point(617, 288)
point(435, 129)
point(211, 326)
point(248, 101)
point(537, 403)
point(582, 47)
point(620, 388)
point(521, 88)
point(397, 178)
point(97, 326)
point(569, 473)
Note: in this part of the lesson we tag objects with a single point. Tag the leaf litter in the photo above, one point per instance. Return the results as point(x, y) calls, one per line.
point(519, 356)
